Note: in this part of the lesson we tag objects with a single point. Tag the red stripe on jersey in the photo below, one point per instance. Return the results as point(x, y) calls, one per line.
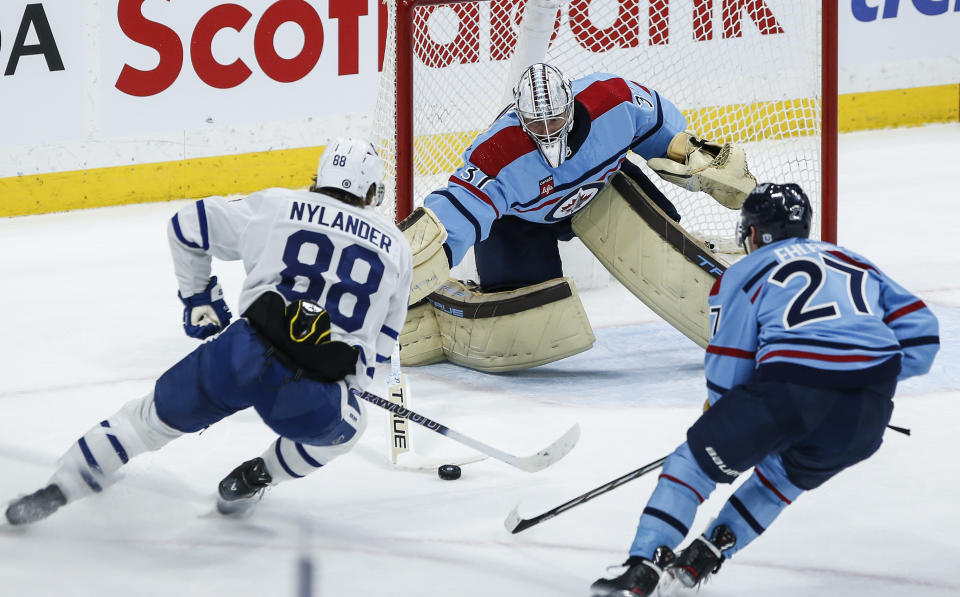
point(500, 150)
point(816, 356)
point(676, 480)
point(904, 311)
point(477, 192)
point(770, 486)
point(601, 96)
point(730, 352)
point(715, 289)
point(844, 257)
point(755, 294)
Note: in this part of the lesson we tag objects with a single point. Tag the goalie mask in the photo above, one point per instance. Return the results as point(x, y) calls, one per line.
point(543, 100)
point(777, 211)
point(352, 166)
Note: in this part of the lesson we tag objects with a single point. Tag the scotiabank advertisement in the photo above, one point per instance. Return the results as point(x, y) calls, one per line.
point(96, 83)
point(181, 63)
point(44, 68)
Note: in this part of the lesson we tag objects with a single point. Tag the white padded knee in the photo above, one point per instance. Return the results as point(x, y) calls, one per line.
point(91, 463)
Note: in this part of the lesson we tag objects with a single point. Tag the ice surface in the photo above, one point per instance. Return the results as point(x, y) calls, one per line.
point(89, 317)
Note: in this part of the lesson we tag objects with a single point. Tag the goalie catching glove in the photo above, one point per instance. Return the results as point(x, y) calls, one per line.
point(696, 164)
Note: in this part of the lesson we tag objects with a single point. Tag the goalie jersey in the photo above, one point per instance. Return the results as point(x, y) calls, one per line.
point(815, 314)
point(504, 174)
point(304, 245)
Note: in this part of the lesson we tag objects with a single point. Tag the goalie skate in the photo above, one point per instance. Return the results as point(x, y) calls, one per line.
point(243, 488)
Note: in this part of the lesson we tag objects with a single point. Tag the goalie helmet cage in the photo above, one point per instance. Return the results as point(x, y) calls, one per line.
point(761, 73)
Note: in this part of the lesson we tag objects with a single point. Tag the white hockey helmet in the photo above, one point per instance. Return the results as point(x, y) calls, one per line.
point(353, 166)
point(543, 100)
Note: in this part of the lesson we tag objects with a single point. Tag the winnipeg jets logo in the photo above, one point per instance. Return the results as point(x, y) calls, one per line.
point(574, 202)
point(642, 100)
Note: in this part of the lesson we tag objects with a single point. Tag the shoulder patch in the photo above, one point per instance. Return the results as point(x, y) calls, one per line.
point(500, 150)
point(601, 96)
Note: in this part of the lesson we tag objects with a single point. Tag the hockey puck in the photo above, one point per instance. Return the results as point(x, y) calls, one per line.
point(449, 472)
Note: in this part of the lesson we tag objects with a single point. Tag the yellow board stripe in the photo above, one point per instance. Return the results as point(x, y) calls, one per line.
point(292, 168)
point(900, 107)
point(159, 181)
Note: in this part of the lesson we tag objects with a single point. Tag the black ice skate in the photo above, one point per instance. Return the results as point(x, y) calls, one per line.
point(703, 557)
point(36, 506)
point(640, 579)
point(242, 489)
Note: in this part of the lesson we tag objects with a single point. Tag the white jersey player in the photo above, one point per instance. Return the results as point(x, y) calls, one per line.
point(325, 296)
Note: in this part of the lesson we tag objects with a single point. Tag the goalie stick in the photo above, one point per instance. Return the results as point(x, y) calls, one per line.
point(514, 524)
point(402, 454)
point(531, 464)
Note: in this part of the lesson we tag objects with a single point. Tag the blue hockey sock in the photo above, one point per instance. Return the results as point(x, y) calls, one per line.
point(666, 519)
point(756, 504)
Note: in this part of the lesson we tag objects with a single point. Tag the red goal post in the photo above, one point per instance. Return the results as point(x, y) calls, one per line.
point(762, 73)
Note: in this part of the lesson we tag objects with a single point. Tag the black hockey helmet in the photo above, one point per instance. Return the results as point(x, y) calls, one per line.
point(777, 211)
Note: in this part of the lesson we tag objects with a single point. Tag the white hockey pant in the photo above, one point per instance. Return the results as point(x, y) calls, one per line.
point(92, 461)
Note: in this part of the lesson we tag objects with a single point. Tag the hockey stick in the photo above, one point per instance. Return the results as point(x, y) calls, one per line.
point(531, 464)
point(514, 524)
point(402, 454)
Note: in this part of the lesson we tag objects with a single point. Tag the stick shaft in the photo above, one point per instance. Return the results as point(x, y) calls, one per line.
point(520, 524)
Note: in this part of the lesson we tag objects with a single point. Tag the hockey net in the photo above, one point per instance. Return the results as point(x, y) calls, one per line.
point(744, 71)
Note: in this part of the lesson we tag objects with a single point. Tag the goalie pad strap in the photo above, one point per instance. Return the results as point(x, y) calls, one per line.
point(500, 306)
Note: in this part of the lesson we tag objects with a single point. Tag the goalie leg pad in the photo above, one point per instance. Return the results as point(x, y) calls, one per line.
point(426, 236)
point(651, 255)
point(420, 340)
point(516, 329)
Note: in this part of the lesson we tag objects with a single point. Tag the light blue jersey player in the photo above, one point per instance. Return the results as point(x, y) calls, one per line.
point(326, 292)
point(543, 160)
point(809, 340)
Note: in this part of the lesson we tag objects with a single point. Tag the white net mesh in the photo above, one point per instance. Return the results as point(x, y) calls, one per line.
point(744, 71)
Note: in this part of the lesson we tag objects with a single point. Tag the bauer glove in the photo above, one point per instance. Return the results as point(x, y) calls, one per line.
point(205, 313)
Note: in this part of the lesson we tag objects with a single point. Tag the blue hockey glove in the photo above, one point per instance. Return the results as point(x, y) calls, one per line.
point(205, 313)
